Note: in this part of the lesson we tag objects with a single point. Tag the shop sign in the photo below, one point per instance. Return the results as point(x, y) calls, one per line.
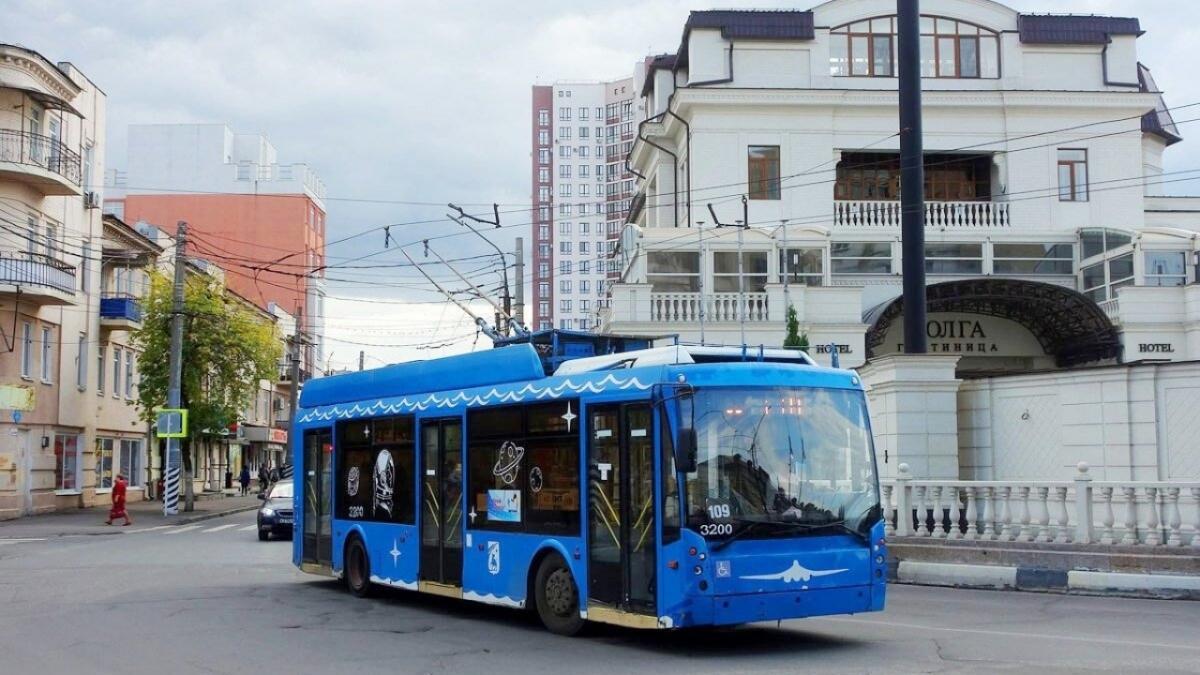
point(278, 436)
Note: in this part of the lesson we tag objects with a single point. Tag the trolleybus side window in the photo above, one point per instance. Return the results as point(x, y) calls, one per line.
point(670, 482)
point(524, 467)
point(375, 464)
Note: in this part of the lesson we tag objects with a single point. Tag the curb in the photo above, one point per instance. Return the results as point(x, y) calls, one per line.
point(1082, 582)
point(186, 520)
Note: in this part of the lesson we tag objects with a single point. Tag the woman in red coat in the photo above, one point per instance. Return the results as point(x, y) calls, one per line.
point(118, 503)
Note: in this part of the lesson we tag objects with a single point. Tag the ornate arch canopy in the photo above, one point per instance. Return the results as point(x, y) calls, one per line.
point(1068, 325)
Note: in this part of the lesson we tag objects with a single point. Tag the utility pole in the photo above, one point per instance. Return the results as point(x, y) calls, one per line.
point(787, 268)
point(742, 226)
point(700, 280)
point(294, 377)
point(361, 356)
point(518, 312)
point(507, 298)
point(174, 382)
point(912, 176)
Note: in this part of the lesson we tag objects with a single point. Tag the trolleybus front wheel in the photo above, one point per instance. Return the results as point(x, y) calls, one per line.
point(358, 569)
point(557, 596)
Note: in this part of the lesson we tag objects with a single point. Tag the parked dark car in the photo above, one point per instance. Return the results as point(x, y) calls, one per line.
point(276, 516)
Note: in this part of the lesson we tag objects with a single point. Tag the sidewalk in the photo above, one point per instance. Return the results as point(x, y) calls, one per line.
point(144, 514)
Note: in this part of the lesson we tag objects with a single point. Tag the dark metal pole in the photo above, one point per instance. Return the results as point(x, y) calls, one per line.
point(912, 175)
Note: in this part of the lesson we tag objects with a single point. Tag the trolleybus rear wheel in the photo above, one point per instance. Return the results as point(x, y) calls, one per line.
point(557, 596)
point(358, 569)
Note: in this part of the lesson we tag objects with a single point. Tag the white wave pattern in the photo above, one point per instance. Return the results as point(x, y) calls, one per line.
point(491, 397)
point(501, 600)
point(394, 583)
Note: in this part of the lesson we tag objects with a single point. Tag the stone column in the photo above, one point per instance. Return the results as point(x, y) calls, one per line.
point(914, 413)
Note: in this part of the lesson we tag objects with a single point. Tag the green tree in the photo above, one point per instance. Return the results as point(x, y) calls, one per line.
point(794, 338)
point(227, 349)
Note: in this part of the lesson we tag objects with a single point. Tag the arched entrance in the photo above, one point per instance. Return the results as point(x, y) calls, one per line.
point(1002, 324)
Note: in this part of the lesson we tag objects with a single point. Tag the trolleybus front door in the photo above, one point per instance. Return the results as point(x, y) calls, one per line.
point(317, 546)
point(621, 526)
point(441, 501)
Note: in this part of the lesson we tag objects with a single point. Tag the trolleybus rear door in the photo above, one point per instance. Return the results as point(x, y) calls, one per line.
point(317, 546)
point(441, 501)
point(621, 515)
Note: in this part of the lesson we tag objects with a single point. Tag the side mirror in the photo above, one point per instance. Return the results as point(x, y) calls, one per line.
point(262, 496)
point(685, 450)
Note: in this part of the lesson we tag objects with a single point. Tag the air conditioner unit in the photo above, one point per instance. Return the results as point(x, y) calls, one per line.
point(91, 200)
point(277, 404)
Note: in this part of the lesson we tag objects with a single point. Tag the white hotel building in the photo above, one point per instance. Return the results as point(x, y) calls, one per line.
point(1062, 280)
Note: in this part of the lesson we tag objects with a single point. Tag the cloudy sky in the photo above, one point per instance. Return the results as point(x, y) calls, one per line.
point(418, 102)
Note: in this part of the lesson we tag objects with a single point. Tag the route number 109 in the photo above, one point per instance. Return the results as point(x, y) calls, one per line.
point(718, 511)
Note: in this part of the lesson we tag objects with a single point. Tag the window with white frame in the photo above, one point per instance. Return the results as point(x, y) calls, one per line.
point(81, 362)
point(584, 228)
point(1072, 175)
point(564, 228)
point(564, 209)
point(803, 266)
point(564, 267)
point(543, 250)
point(543, 174)
point(564, 112)
point(47, 354)
point(564, 305)
point(543, 308)
point(584, 132)
point(564, 247)
point(1165, 268)
point(116, 372)
point(585, 209)
point(953, 258)
point(583, 151)
point(129, 373)
point(725, 271)
point(564, 285)
point(673, 271)
point(584, 247)
point(585, 305)
point(564, 190)
point(585, 267)
point(1015, 258)
point(543, 232)
point(544, 193)
point(583, 112)
point(543, 289)
point(543, 117)
point(583, 170)
point(543, 270)
point(860, 257)
point(564, 151)
point(131, 460)
point(101, 367)
point(543, 137)
point(66, 461)
point(585, 190)
point(544, 156)
point(584, 286)
point(105, 451)
point(27, 350)
point(564, 133)
point(1106, 262)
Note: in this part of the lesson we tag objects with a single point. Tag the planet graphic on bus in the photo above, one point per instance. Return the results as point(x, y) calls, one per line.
point(508, 462)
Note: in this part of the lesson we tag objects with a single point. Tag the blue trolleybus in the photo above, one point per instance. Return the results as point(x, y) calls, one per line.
point(659, 488)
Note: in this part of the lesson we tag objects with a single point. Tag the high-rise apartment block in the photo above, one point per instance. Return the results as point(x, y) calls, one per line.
point(581, 189)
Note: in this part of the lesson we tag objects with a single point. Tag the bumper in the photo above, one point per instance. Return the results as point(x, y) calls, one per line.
point(735, 609)
point(274, 526)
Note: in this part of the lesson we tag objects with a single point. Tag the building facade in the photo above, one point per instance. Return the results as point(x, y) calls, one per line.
point(581, 190)
point(262, 221)
point(771, 180)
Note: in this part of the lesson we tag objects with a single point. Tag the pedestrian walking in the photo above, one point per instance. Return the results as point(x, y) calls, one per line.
point(118, 503)
point(274, 474)
point(244, 479)
point(262, 478)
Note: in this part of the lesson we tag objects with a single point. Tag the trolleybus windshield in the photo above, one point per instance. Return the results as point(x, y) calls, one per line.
point(781, 462)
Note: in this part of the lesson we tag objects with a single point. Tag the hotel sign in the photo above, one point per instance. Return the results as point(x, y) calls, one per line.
point(968, 335)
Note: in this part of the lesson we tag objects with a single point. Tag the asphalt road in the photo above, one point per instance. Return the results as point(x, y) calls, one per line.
point(211, 598)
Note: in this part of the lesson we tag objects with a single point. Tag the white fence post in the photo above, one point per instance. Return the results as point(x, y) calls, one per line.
point(1083, 505)
point(903, 512)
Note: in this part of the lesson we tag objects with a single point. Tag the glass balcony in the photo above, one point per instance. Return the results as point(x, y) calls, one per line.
point(121, 312)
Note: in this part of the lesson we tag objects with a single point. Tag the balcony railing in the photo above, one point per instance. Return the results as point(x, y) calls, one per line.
point(35, 269)
point(121, 307)
point(1079, 511)
point(872, 213)
point(23, 147)
point(716, 307)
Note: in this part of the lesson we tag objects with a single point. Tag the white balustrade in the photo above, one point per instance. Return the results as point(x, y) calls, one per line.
point(686, 307)
point(1080, 511)
point(878, 213)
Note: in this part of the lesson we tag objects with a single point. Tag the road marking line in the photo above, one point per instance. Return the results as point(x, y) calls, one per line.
point(185, 528)
point(248, 528)
point(1005, 633)
point(220, 527)
point(18, 541)
point(150, 529)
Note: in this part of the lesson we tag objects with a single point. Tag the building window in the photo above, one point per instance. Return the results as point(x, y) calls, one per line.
point(564, 190)
point(564, 305)
point(584, 247)
point(583, 112)
point(543, 175)
point(85, 268)
point(543, 250)
point(564, 267)
point(544, 156)
point(81, 363)
point(585, 305)
point(564, 285)
point(564, 151)
point(104, 463)
point(953, 258)
point(543, 117)
point(47, 354)
point(1033, 258)
point(543, 232)
point(543, 193)
point(543, 137)
point(564, 247)
point(564, 209)
point(1166, 268)
point(949, 48)
point(803, 266)
point(763, 169)
point(725, 271)
point(584, 286)
point(543, 270)
point(564, 324)
point(543, 309)
point(544, 325)
point(1098, 241)
point(116, 368)
point(857, 257)
point(585, 190)
point(564, 228)
point(543, 289)
point(543, 213)
point(1101, 281)
point(564, 112)
point(66, 461)
point(583, 170)
point(1072, 175)
point(101, 367)
point(564, 132)
point(131, 461)
point(585, 267)
point(129, 373)
point(583, 151)
point(583, 131)
point(27, 350)
point(673, 271)
point(564, 171)
point(585, 209)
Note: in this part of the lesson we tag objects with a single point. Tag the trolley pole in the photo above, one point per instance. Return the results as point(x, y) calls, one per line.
point(175, 365)
point(912, 176)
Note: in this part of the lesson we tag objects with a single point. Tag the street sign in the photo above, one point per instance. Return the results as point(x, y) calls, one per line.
point(172, 423)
